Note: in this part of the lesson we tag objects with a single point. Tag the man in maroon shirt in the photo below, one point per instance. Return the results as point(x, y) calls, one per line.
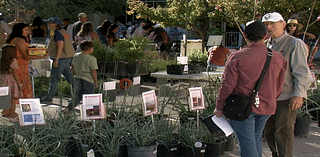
point(242, 71)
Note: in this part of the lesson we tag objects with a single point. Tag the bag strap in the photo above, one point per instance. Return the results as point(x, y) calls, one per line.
point(265, 68)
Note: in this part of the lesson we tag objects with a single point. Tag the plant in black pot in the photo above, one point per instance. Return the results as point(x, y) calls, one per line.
point(174, 67)
point(106, 57)
point(215, 142)
point(167, 131)
point(194, 65)
point(303, 119)
point(197, 62)
point(107, 139)
point(140, 137)
point(191, 141)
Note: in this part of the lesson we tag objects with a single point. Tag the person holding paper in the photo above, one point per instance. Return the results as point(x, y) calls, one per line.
point(9, 77)
point(84, 67)
point(19, 38)
point(242, 71)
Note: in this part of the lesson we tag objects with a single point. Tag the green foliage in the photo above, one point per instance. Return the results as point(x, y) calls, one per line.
point(41, 86)
point(132, 50)
point(158, 65)
point(166, 131)
point(207, 136)
point(195, 14)
point(189, 134)
point(71, 8)
point(173, 61)
point(140, 131)
point(197, 57)
point(103, 52)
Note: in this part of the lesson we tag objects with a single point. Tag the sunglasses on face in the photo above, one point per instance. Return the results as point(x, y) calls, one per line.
point(292, 25)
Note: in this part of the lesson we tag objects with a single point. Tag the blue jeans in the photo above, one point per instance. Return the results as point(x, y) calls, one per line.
point(249, 134)
point(63, 68)
point(81, 87)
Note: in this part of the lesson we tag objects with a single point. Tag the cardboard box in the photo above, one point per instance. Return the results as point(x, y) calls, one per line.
point(37, 51)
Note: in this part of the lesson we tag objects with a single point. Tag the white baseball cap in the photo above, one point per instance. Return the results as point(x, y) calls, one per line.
point(272, 17)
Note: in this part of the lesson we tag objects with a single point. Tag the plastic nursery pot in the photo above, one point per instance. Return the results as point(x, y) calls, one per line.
point(148, 151)
point(193, 152)
point(168, 150)
point(302, 127)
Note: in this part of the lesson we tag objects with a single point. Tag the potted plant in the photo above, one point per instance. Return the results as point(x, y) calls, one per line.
point(214, 142)
point(194, 65)
point(197, 61)
point(167, 138)
point(191, 140)
point(140, 137)
point(174, 67)
point(107, 139)
point(303, 120)
point(106, 57)
point(132, 55)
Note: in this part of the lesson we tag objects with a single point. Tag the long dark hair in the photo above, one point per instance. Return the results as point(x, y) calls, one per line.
point(37, 21)
point(17, 31)
point(104, 28)
point(113, 27)
point(9, 52)
point(295, 33)
point(86, 28)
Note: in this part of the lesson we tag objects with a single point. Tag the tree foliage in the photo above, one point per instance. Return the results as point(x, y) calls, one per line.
point(241, 11)
point(198, 14)
point(193, 15)
point(61, 8)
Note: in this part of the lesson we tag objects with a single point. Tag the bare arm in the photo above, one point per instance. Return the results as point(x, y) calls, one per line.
point(72, 69)
point(94, 76)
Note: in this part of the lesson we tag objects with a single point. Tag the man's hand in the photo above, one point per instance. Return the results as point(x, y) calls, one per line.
point(296, 102)
point(56, 62)
point(218, 113)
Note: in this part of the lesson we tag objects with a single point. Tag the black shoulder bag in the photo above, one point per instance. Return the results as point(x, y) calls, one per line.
point(238, 106)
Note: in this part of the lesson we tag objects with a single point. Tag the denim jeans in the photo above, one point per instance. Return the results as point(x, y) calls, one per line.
point(279, 130)
point(81, 87)
point(63, 68)
point(249, 134)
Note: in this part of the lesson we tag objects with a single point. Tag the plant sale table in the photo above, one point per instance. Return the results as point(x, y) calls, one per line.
point(163, 77)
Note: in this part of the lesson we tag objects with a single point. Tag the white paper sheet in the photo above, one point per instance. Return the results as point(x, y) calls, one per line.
point(182, 60)
point(30, 112)
point(109, 85)
point(149, 105)
point(223, 124)
point(136, 80)
point(92, 107)
point(4, 91)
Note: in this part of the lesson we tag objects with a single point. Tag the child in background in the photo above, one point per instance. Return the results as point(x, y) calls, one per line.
point(84, 68)
point(9, 70)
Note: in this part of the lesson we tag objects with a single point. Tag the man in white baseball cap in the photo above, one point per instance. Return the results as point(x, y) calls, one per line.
point(279, 129)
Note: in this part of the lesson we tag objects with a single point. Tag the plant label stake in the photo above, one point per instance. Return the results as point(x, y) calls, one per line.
point(94, 125)
point(197, 101)
point(198, 120)
point(152, 120)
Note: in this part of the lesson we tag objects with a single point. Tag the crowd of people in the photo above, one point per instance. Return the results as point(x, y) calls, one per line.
point(65, 43)
point(282, 90)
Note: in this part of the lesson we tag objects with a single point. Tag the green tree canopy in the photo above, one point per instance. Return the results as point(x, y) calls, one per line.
point(193, 15)
point(198, 14)
point(61, 8)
